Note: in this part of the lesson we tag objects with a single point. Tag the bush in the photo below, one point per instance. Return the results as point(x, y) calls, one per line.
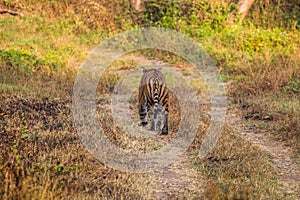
point(23, 60)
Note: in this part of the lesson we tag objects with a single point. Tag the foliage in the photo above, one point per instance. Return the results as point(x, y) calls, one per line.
point(275, 13)
point(185, 15)
point(29, 62)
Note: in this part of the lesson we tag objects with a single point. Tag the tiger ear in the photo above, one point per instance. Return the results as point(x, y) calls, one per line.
point(143, 69)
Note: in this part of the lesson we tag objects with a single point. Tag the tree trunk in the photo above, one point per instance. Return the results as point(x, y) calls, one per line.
point(136, 4)
point(244, 6)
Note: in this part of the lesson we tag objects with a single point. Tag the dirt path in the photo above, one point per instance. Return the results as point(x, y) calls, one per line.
point(288, 171)
point(179, 181)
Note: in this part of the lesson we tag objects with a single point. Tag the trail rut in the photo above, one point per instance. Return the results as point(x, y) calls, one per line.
point(288, 171)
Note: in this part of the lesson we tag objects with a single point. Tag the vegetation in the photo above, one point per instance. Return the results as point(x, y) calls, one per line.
point(41, 51)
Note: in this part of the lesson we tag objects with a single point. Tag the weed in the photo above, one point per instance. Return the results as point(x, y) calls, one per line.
point(293, 85)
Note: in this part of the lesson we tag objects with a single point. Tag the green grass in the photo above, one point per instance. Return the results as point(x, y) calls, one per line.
point(9, 88)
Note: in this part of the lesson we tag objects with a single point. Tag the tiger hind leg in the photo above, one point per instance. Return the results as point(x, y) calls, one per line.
point(165, 114)
point(155, 122)
point(160, 119)
point(143, 113)
point(165, 127)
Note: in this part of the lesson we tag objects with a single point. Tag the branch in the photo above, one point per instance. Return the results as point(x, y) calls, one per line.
point(14, 13)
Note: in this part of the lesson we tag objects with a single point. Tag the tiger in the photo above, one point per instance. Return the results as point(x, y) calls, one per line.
point(153, 94)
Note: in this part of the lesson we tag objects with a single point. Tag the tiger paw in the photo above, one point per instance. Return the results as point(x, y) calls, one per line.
point(164, 131)
point(143, 123)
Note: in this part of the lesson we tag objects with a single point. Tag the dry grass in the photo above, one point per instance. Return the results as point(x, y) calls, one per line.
point(108, 16)
point(269, 98)
point(42, 156)
point(238, 170)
